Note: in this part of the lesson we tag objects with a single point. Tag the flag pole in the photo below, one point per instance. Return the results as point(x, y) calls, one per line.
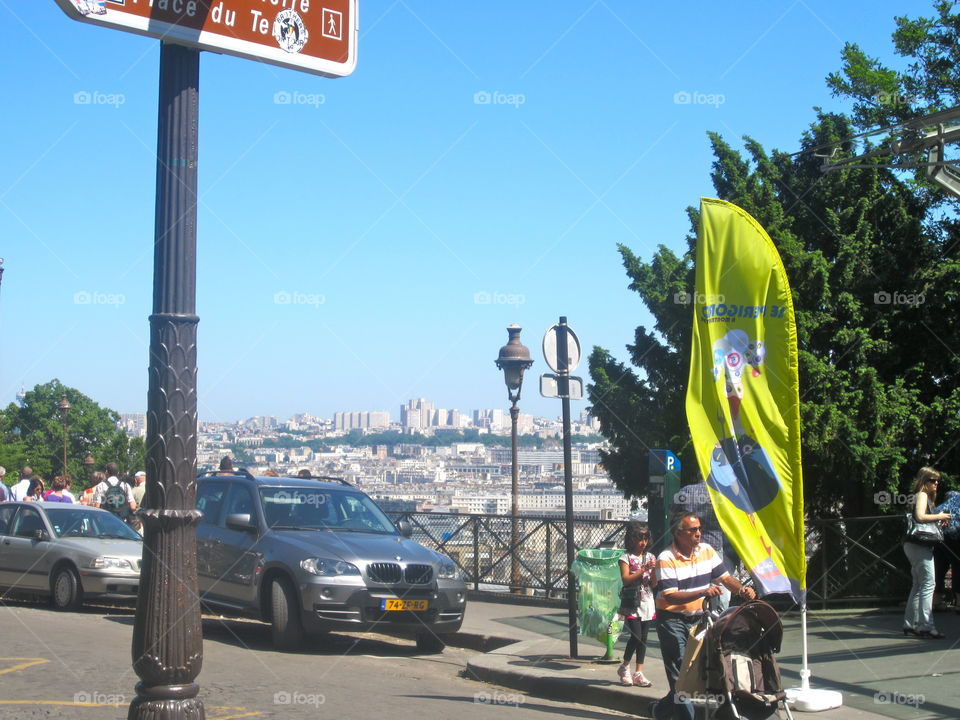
point(804, 698)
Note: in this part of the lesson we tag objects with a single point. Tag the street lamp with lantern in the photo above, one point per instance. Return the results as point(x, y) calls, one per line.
point(63, 407)
point(514, 359)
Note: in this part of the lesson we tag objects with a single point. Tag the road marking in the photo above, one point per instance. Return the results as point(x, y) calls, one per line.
point(30, 662)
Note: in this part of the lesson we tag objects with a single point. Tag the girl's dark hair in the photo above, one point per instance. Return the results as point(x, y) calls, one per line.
point(635, 529)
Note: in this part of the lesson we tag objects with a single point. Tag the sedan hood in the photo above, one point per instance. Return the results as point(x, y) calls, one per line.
point(103, 546)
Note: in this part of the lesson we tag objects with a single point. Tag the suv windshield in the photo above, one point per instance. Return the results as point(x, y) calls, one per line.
point(322, 509)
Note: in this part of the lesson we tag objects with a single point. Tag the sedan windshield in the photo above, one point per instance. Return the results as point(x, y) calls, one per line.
point(322, 509)
point(76, 522)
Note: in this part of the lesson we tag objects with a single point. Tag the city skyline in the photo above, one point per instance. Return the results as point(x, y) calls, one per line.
point(367, 240)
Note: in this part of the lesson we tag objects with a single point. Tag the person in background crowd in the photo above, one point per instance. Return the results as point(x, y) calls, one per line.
point(226, 466)
point(67, 493)
point(270, 472)
point(19, 491)
point(139, 490)
point(638, 573)
point(304, 474)
point(4, 493)
point(688, 572)
point(86, 497)
point(139, 487)
point(35, 490)
point(57, 493)
point(951, 548)
point(112, 471)
point(918, 617)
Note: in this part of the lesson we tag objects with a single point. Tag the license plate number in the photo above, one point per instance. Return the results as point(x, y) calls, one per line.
point(395, 604)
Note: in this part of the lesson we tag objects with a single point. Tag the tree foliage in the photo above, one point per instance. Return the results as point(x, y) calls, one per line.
point(875, 292)
point(33, 434)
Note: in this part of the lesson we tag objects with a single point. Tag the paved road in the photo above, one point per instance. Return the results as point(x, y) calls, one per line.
point(57, 666)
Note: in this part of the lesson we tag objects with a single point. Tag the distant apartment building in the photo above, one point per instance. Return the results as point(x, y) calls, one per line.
point(134, 424)
point(262, 422)
point(364, 420)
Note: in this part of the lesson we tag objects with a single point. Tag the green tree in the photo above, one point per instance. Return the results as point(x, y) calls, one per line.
point(877, 386)
point(33, 434)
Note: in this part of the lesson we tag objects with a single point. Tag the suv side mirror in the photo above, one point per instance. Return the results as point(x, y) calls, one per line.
point(405, 528)
point(241, 521)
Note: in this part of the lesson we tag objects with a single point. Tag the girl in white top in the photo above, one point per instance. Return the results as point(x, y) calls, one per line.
point(638, 572)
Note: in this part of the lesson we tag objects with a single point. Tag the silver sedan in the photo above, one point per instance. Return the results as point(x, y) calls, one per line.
point(67, 551)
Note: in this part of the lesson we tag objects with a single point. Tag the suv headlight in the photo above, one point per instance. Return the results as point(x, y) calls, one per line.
point(105, 562)
point(448, 569)
point(328, 568)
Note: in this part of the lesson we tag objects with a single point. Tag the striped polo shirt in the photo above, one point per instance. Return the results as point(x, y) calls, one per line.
point(678, 573)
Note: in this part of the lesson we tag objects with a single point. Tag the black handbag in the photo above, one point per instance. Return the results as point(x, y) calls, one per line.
point(923, 533)
point(630, 596)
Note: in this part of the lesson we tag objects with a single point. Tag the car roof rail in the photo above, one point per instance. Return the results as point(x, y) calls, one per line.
point(243, 472)
point(324, 478)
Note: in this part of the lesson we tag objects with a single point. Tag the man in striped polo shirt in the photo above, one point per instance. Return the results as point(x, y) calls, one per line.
point(687, 573)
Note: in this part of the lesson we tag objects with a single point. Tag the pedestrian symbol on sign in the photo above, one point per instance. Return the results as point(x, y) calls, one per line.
point(331, 24)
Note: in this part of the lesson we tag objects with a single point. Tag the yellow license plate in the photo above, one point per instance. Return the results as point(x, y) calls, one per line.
point(398, 604)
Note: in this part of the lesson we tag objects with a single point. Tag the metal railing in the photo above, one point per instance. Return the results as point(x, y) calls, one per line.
point(853, 561)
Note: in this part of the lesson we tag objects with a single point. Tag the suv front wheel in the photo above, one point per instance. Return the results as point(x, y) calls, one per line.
point(287, 629)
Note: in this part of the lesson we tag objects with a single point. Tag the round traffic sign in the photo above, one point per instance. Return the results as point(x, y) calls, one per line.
point(552, 355)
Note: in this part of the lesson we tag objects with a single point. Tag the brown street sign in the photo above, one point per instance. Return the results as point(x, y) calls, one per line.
point(315, 36)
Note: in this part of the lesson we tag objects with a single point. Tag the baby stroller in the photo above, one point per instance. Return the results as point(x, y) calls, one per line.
point(740, 665)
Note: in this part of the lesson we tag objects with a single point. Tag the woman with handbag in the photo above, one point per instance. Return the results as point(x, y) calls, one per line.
point(638, 572)
point(923, 533)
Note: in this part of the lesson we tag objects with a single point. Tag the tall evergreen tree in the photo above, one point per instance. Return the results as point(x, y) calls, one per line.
point(871, 297)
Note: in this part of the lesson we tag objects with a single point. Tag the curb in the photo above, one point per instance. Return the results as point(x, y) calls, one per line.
point(505, 668)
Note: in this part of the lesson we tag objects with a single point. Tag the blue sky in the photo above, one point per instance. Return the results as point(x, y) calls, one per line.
point(370, 240)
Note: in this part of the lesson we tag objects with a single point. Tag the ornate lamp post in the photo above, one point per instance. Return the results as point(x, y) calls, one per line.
point(514, 359)
point(63, 407)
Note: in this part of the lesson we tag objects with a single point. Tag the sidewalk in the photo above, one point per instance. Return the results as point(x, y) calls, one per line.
point(861, 654)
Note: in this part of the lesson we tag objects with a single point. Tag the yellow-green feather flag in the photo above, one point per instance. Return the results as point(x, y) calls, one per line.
point(743, 402)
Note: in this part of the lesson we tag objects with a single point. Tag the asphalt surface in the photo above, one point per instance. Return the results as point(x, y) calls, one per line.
point(77, 665)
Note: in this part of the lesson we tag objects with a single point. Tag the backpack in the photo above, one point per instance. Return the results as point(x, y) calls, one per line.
point(115, 500)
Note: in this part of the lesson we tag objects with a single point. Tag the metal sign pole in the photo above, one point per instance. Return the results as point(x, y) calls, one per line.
point(167, 635)
point(563, 381)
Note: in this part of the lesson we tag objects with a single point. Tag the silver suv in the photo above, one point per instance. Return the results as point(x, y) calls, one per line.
point(317, 554)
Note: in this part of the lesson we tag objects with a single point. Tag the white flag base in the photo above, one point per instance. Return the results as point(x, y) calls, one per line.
point(805, 699)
